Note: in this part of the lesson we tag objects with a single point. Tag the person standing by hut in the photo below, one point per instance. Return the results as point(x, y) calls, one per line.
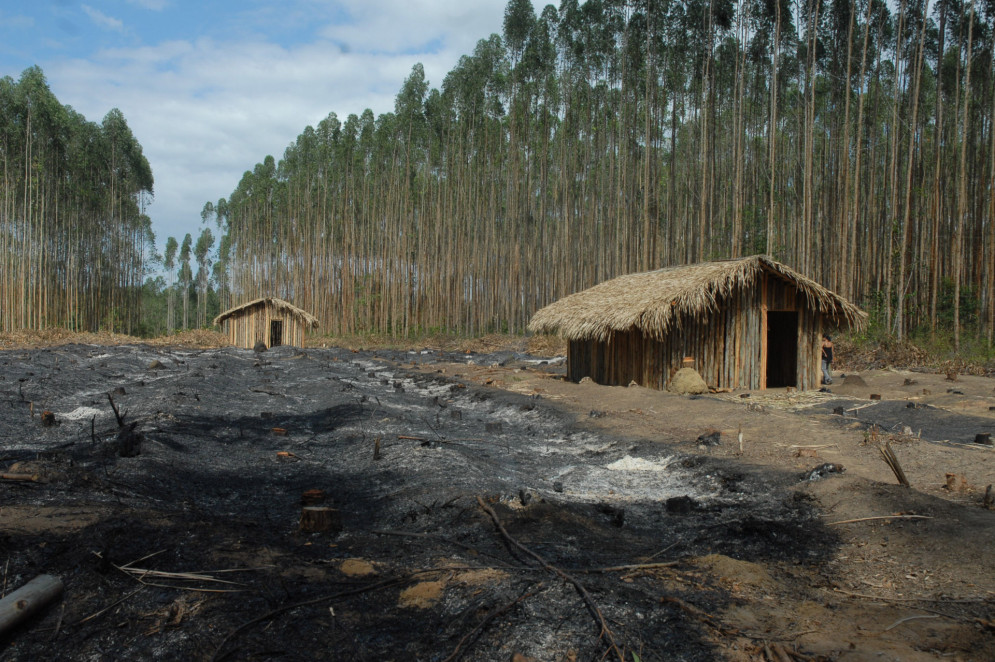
point(827, 359)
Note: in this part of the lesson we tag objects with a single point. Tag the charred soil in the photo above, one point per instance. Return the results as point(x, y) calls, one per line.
point(488, 509)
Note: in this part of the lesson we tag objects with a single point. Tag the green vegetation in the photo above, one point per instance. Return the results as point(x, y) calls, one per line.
point(851, 139)
point(75, 241)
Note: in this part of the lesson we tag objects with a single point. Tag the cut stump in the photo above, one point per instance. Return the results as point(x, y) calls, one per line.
point(320, 519)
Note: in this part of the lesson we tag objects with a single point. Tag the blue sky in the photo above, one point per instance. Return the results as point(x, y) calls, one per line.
point(210, 87)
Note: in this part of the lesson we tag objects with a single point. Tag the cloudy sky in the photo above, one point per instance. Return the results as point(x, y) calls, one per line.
point(210, 87)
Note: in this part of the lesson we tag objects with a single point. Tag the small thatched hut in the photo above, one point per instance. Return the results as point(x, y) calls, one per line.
point(270, 320)
point(747, 323)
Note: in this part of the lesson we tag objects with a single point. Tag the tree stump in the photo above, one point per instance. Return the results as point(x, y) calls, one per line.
point(312, 497)
point(129, 441)
point(320, 519)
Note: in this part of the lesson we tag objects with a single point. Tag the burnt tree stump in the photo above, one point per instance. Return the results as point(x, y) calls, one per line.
point(320, 519)
point(129, 441)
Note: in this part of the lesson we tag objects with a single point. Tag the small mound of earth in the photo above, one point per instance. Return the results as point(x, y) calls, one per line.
point(357, 568)
point(687, 381)
point(422, 595)
point(854, 380)
point(734, 571)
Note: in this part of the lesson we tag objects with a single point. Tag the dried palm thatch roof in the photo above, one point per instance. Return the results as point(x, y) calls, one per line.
point(307, 318)
point(653, 301)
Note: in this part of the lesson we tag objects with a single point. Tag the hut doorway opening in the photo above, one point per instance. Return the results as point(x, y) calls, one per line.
point(275, 333)
point(782, 348)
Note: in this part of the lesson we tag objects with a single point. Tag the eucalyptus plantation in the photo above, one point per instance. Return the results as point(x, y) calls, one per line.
point(74, 236)
point(851, 139)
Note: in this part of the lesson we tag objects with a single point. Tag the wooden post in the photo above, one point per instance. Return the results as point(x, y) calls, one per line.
point(28, 600)
point(315, 519)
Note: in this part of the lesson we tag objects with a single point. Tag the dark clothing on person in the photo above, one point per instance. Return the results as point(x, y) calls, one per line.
point(827, 360)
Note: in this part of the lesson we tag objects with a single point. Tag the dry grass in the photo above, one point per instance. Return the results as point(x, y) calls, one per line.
point(851, 356)
point(29, 339)
point(651, 302)
point(493, 342)
point(194, 339)
point(547, 345)
point(25, 339)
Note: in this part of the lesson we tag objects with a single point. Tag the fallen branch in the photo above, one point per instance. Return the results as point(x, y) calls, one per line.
point(107, 608)
point(28, 600)
point(949, 601)
point(870, 519)
point(775, 652)
point(387, 583)
point(455, 655)
point(429, 536)
point(909, 618)
point(588, 600)
point(632, 566)
point(33, 478)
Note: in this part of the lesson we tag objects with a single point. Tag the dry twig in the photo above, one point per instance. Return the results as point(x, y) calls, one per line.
point(892, 461)
point(455, 655)
point(325, 598)
point(588, 600)
point(870, 519)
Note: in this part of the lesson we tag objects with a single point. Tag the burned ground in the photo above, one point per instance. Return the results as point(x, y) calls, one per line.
point(661, 538)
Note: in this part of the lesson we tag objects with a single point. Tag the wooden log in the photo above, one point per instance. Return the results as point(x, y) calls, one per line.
point(28, 600)
point(320, 519)
point(27, 477)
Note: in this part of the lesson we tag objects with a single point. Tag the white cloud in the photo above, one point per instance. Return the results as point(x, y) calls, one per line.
point(400, 26)
point(205, 111)
point(16, 21)
point(153, 5)
point(103, 20)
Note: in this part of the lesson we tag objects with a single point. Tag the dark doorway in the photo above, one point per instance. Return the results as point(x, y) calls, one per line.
point(276, 333)
point(782, 348)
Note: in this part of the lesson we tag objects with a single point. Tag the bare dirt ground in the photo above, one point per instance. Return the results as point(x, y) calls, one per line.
point(611, 522)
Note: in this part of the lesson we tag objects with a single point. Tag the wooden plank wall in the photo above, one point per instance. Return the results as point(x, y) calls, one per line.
point(248, 326)
point(727, 345)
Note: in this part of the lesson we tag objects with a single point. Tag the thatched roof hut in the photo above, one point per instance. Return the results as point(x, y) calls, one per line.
point(751, 322)
point(269, 320)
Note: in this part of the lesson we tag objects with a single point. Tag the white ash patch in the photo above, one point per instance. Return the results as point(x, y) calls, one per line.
point(81, 413)
point(629, 463)
point(556, 360)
